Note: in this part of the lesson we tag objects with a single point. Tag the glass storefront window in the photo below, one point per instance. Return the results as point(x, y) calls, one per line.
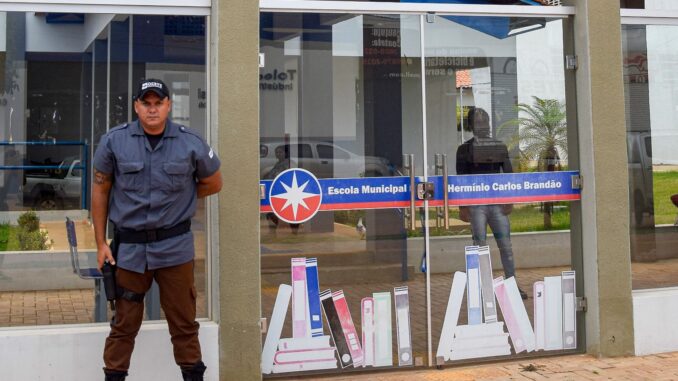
point(362, 122)
point(651, 94)
point(66, 79)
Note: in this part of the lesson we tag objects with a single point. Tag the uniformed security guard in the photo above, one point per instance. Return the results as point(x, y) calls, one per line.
point(148, 175)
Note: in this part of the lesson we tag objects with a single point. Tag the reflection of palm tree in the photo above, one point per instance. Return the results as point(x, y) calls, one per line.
point(542, 136)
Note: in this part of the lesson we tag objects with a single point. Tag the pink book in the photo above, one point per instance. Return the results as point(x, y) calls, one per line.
point(304, 356)
point(347, 326)
point(509, 316)
point(299, 303)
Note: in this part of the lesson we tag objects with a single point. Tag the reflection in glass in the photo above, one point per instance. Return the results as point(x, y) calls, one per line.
point(340, 97)
point(651, 132)
point(62, 86)
point(495, 98)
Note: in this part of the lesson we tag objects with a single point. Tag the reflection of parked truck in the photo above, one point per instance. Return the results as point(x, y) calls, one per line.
point(641, 197)
point(324, 160)
point(52, 189)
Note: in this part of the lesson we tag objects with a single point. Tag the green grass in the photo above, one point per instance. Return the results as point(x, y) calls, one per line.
point(665, 184)
point(4, 236)
point(8, 238)
point(524, 218)
point(530, 218)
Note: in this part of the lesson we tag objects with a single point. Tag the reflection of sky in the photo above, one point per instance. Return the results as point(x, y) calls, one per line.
point(662, 61)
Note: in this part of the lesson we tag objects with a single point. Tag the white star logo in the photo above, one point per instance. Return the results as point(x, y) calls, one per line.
point(294, 195)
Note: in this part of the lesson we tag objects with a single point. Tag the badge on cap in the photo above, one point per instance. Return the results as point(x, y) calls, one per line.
point(211, 153)
point(155, 85)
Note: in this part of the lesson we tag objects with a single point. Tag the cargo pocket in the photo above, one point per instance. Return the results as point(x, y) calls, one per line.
point(177, 175)
point(130, 175)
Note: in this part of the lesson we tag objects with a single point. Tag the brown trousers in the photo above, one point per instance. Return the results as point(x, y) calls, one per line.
point(177, 299)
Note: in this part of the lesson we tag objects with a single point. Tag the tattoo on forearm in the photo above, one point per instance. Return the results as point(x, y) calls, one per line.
point(101, 178)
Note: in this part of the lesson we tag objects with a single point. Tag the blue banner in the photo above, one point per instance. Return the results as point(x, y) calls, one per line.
point(394, 192)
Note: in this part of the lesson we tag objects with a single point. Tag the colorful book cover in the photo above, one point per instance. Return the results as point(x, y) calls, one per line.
point(313, 288)
point(473, 294)
point(348, 327)
point(299, 302)
point(334, 324)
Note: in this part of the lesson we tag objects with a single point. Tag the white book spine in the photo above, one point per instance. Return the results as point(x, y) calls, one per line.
point(451, 315)
point(520, 312)
point(538, 291)
point(553, 317)
point(282, 302)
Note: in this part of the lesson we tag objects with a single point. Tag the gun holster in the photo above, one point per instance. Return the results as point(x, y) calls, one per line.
point(108, 270)
point(110, 286)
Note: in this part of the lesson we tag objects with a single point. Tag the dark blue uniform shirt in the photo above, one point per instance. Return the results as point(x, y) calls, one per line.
point(154, 188)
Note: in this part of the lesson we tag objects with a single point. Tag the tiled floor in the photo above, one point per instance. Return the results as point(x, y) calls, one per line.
point(76, 306)
point(572, 367)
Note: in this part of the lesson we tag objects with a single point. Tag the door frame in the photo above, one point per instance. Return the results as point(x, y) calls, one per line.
point(422, 10)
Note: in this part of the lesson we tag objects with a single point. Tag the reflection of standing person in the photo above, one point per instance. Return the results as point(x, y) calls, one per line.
point(148, 177)
point(12, 181)
point(484, 155)
point(282, 153)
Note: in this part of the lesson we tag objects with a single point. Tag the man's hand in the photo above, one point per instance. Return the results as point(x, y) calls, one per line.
point(104, 254)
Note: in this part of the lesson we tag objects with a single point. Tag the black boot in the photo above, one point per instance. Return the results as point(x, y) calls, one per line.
point(113, 375)
point(194, 373)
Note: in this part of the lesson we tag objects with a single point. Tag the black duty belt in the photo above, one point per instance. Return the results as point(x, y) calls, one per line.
point(147, 236)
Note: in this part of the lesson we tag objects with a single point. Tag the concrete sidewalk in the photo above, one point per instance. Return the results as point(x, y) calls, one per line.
point(573, 367)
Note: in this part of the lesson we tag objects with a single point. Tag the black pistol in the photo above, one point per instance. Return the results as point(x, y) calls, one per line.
point(108, 271)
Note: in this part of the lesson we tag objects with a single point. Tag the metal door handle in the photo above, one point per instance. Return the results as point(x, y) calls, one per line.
point(441, 165)
point(408, 165)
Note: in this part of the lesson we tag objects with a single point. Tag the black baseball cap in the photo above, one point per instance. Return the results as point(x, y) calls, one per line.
point(151, 84)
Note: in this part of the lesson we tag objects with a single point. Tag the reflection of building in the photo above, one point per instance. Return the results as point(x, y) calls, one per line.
point(352, 79)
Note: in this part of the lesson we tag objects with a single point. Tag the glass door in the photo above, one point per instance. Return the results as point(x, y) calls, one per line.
point(415, 211)
point(341, 152)
point(503, 282)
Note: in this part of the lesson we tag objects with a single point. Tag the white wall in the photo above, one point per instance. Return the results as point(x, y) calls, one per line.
point(74, 353)
point(59, 38)
point(63, 38)
point(655, 313)
point(661, 4)
point(540, 63)
point(662, 55)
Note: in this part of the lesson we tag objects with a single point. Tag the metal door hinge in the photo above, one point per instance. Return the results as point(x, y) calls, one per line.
point(571, 62)
point(577, 182)
point(263, 325)
point(430, 17)
point(582, 304)
point(262, 191)
point(262, 60)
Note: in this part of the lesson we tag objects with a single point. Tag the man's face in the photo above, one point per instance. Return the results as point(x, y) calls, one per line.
point(481, 127)
point(153, 111)
point(279, 153)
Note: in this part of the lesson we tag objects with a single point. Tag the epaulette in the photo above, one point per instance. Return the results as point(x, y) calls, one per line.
point(119, 127)
point(187, 130)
